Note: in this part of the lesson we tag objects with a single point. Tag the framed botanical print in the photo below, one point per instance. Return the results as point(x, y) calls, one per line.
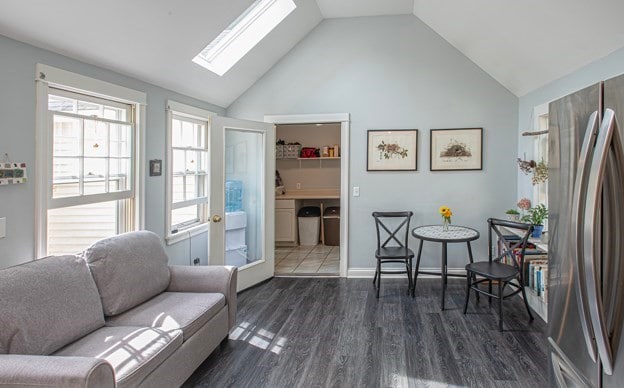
point(392, 150)
point(456, 149)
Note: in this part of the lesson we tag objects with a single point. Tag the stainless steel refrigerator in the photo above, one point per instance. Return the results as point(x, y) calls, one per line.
point(586, 248)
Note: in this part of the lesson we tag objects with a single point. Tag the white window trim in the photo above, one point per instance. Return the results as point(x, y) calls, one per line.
point(192, 112)
point(48, 76)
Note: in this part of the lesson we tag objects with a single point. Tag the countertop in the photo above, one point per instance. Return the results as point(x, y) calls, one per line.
point(310, 194)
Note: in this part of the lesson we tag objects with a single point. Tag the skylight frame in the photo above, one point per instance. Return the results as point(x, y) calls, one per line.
point(243, 34)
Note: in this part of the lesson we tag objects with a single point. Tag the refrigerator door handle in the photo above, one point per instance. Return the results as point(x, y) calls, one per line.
point(607, 134)
point(579, 201)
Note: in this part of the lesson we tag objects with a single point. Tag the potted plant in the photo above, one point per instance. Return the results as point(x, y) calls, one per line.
point(536, 216)
point(513, 215)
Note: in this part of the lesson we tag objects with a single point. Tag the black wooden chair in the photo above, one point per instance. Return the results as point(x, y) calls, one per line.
point(504, 268)
point(392, 244)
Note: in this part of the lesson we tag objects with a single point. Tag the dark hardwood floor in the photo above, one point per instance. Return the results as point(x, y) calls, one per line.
point(311, 332)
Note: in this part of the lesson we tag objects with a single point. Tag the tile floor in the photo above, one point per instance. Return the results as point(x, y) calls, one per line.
point(301, 260)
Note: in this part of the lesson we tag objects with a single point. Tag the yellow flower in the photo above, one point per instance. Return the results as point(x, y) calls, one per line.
point(444, 209)
point(448, 213)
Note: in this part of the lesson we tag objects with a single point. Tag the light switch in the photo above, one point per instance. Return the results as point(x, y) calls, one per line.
point(2, 227)
point(356, 191)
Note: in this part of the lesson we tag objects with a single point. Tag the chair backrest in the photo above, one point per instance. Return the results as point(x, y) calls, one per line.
point(512, 248)
point(397, 232)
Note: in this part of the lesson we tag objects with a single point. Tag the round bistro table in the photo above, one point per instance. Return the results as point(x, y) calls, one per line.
point(436, 233)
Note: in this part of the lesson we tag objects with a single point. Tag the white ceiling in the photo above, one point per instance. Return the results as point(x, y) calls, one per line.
point(522, 44)
point(527, 44)
point(352, 8)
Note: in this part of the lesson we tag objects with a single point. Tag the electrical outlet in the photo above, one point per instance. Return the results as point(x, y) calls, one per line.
point(298, 186)
point(356, 191)
point(196, 261)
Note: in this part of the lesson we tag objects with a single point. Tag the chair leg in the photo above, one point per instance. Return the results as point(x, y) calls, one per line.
point(417, 268)
point(474, 280)
point(490, 291)
point(378, 280)
point(375, 278)
point(526, 304)
point(500, 306)
point(408, 269)
point(468, 284)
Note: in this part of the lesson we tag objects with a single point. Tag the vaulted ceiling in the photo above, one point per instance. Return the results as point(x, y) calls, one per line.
point(522, 44)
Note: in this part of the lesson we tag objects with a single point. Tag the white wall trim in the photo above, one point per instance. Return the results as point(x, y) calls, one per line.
point(92, 86)
point(345, 128)
point(370, 273)
point(46, 76)
point(308, 118)
point(192, 111)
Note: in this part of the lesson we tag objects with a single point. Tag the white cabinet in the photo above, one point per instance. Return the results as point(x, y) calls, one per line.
point(286, 220)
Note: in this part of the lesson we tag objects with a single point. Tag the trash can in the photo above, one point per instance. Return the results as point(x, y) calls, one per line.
point(309, 219)
point(331, 225)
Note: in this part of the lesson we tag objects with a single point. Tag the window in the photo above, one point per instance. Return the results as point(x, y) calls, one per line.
point(187, 170)
point(243, 34)
point(86, 151)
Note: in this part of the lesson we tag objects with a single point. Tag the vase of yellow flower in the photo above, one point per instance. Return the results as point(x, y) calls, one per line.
point(446, 214)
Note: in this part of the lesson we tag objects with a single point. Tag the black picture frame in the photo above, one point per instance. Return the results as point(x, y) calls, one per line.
point(405, 142)
point(456, 149)
point(155, 167)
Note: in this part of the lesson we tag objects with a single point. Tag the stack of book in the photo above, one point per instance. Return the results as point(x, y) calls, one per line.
point(534, 267)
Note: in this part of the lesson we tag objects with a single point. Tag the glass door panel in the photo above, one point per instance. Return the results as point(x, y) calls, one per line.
point(242, 198)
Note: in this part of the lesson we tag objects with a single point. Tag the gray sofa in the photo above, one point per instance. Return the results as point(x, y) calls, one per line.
point(116, 316)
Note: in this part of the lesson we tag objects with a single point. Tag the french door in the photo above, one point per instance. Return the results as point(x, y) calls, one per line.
point(242, 198)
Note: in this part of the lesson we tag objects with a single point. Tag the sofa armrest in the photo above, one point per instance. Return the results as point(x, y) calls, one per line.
point(221, 279)
point(55, 371)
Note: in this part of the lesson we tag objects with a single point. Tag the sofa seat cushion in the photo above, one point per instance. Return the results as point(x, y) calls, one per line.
point(186, 311)
point(133, 352)
point(128, 269)
point(46, 304)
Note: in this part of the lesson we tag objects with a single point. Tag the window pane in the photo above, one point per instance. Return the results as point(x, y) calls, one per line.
point(178, 189)
point(202, 166)
point(202, 143)
point(191, 186)
point(191, 161)
point(65, 177)
point(185, 215)
point(189, 134)
point(176, 133)
point(95, 138)
point(120, 141)
point(94, 176)
point(89, 109)
point(62, 104)
point(120, 174)
point(178, 161)
point(72, 229)
point(66, 136)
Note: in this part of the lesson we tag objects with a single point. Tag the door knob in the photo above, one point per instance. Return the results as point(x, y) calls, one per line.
point(216, 218)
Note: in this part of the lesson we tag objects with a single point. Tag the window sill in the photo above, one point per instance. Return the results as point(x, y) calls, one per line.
point(186, 234)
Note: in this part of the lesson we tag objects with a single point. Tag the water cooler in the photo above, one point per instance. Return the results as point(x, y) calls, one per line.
point(235, 224)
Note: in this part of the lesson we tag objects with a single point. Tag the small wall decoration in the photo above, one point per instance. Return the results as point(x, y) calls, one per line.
point(392, 150)
point(155, 167)
point(12, 173)
point(456, 149)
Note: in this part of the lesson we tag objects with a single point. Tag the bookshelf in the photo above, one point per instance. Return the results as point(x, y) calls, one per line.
point(537, 301)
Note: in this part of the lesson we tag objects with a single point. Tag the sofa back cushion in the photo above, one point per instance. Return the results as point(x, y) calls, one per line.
point(128, 269)
point(46, 304)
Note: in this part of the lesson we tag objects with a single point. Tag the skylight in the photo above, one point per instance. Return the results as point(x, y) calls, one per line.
point(243, 34)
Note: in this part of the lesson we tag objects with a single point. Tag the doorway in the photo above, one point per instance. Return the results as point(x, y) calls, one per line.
point(311, 211)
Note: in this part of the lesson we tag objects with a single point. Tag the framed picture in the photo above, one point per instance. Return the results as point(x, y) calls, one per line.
point(456, 149)
point(155, 167)
point(392, 150)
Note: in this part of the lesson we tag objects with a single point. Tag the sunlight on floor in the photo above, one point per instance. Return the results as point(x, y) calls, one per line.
point(258, 337)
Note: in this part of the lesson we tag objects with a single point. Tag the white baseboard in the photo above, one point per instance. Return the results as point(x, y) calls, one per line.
point(370, 273)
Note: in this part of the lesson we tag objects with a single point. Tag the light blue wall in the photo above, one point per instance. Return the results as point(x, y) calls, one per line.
point(394, 72)
point(17, 137)
point(605, 68)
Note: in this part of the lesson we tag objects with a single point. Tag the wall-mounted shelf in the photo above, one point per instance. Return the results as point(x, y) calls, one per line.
point(320, 160)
